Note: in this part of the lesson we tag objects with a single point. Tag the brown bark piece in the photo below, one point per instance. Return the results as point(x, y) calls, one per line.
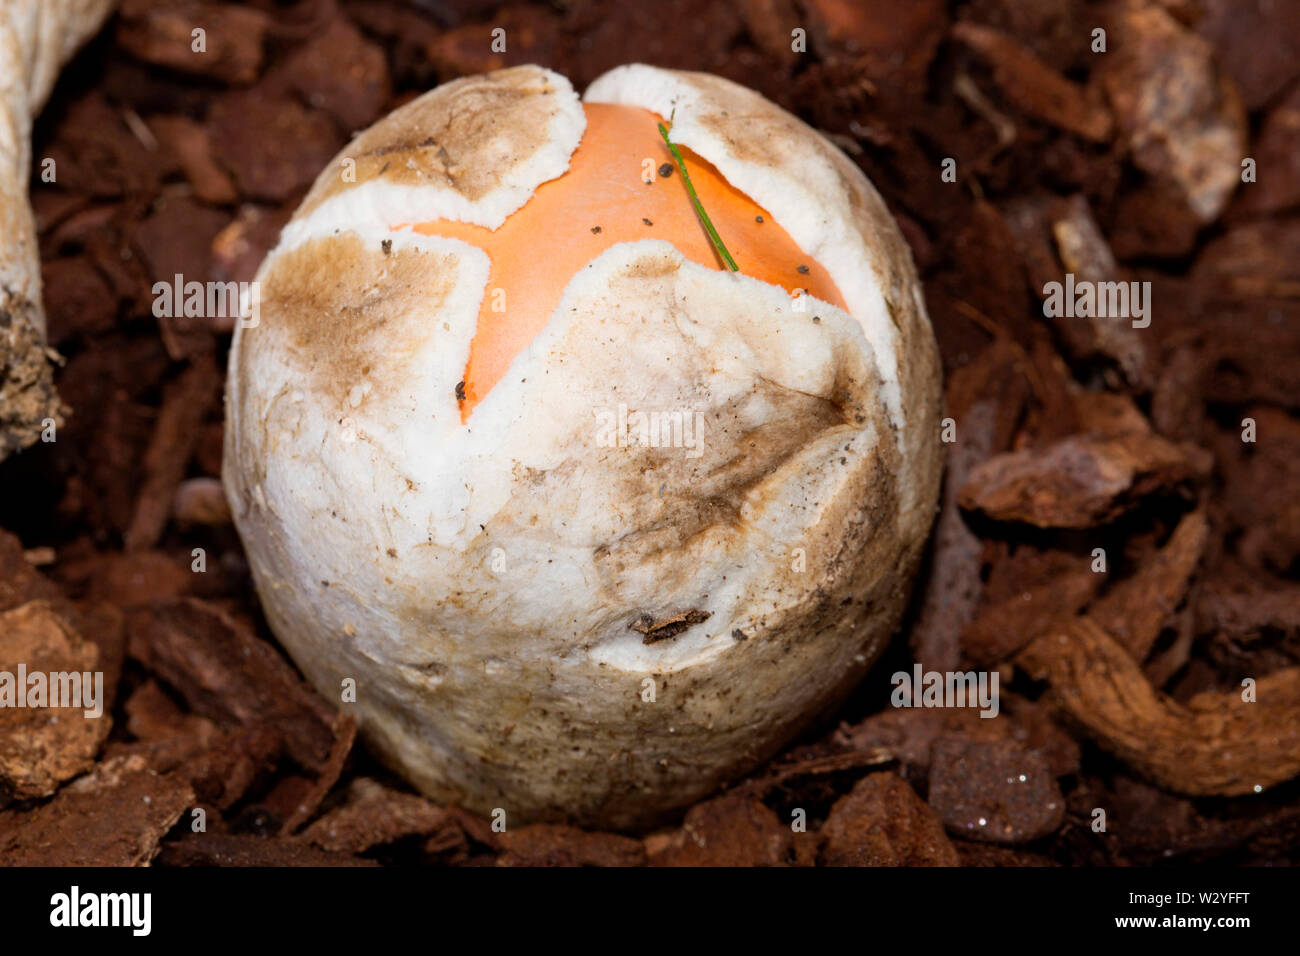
point(985, 400)
point(115, 816)
point(991, 854)
point(41, 746)
point(192, 146)
point(1035, 88)
point(1246, 614)
point(894, 43)
point(1136, 610)
point(163, 35)
point(235, 849)
point(187, 402)
point(1258, 492)
point(1055, 30)
point(1084, 252)
point(220, 765)
point(341, 72)
point(999, 791)
point(78, 302)
point(1255, 41)
point(769, 23)
point(1001, 628)
point(1181, 117)
point(135, 578)
point(1253, 261)
point(372, 816)
point(20, 582)
point(95, 148)
point(546, 844)
point(270, 143)
point(1108, 414)
point(1217, 744)
point(175, 241)
point(1277, 157)
point(884, 823)
point(534, 35)
point(909, 734)
point(227, 674)
point(328, 773)
point(1082, 481)
point(732, 830)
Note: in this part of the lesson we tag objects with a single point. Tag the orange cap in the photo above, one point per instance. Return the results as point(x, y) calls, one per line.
point(602, 199)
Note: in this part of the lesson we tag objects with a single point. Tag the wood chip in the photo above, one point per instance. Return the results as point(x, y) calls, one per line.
point(546, 844)
point(115, 816)
point(1181, 117)
point(41, 746)
point(999, 791)
point(373, 815)
point(1085, 254)
point(884, 823)
point(1082, 481)
point(735, 829)
point(1035, 88)
point(162, 34)
point(1137, 609)
point(187, 401)
point(1217, 744)
point(231, 849)
point(227, 674)
point(986, 400)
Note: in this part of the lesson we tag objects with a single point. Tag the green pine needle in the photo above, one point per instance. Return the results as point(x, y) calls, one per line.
point(699, 208)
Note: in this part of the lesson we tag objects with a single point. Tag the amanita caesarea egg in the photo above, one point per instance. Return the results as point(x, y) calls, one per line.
point(591, 523)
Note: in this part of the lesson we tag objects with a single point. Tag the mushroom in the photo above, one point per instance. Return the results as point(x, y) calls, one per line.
point(587, 522)
point(36, 38)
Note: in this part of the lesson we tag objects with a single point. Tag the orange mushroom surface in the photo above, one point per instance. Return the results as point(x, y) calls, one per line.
point(602, 199)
